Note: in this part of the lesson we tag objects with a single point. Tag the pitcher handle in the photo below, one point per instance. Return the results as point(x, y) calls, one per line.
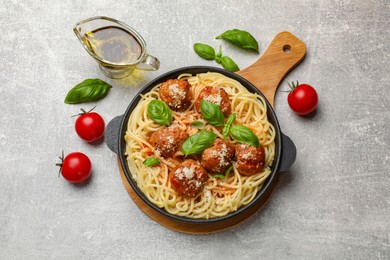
point(149, 63)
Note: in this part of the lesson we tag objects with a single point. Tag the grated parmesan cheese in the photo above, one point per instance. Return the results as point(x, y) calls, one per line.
point(195, 183)
point(223, 154)
point(170, 142)
point(189, 172)
point(207, 195)
point(176, 93)
point(157, 152)
point(214, 153)
point(247, 155)
point(216, 99)
point(186, 172)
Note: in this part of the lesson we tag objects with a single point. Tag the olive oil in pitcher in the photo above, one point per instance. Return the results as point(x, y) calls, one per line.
point(113, 45)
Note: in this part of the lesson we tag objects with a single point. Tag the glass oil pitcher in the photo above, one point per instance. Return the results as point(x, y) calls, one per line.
point(117, 47)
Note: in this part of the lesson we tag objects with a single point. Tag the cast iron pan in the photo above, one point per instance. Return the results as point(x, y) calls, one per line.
point(285, 152)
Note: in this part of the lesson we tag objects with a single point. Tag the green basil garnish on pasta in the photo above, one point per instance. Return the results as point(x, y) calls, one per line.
point(226, 173)
point(240, 38)
point(87, 91)
point(197, 124)
point(244, 135)
point(159, 112)
point(198, 142)
point(228, 124)
point(151, 161)
point(212, 113)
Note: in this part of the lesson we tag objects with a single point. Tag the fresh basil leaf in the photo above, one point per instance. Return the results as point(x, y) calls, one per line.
point(219, 55)
point(228, 124)
point(228, 170)
point(226, 173)
point(229, 64)
point(159, 112)
point(231, 119)
point(151, 161)
point(205, 51)
point(197, 143)
point(87, 91)
point(212, 113)
point(240, 38)
point(244, 135)
point(197, 124)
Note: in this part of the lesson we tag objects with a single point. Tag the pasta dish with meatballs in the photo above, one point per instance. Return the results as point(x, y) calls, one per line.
point(200, 146)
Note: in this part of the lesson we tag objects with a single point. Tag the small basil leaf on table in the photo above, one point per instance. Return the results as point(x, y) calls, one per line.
point(211, 113)
point(197, 143)
point(229, 64)
point(197, 124)
point(159, 112)
point(240, 38)
point(228, 124)
point(151, 161)
point(87, 91)
point(244, 135)
point(205, 51)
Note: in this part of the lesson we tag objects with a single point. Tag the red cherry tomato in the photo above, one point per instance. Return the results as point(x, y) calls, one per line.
point(76, 167)
point(90, 126)
point(303, 98)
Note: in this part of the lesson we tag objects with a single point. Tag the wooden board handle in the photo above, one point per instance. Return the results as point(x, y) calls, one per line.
point(284, 53)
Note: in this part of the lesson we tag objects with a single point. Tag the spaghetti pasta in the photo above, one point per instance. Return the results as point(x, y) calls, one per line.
point(219, 196)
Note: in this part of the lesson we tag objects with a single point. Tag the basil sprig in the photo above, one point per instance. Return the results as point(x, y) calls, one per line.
point(197, 124)
point(228, 124)
point(87, 91)
point(244, 135)
point(212, 113)
point(197, 143)
point(226, 62)
point(240, 38)
point(151, 161)
point(205, 51)
point(159, 112)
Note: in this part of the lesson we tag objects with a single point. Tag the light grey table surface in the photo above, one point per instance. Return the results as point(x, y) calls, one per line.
point(334, 203)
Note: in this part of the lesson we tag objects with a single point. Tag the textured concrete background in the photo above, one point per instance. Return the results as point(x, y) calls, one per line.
point(334, 203)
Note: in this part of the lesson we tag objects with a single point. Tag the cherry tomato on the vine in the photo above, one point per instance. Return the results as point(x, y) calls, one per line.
point(302, 99)
point(90, 126)
point(75, 167)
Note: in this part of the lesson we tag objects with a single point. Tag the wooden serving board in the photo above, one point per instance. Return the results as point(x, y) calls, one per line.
point(284, 53)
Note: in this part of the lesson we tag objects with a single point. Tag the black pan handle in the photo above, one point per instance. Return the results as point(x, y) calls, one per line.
point(112, 133)
point(289, 153)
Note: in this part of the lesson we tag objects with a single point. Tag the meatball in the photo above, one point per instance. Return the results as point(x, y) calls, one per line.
point(218, 157)
point(176, 94)
point(250, 159)
point(168, 140)
point(188, 178)
point(217, 96)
